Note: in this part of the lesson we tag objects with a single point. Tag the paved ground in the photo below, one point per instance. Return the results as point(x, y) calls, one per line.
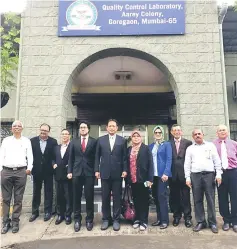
point(42, 235)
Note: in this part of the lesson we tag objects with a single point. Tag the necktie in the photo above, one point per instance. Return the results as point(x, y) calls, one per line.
point(177, 145)
point(83, 144)
point(224, 158)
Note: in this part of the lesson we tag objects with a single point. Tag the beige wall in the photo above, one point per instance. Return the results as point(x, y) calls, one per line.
point(231, 76)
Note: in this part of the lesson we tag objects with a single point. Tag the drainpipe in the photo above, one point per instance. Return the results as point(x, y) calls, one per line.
point(221, 17)
point(18, 89)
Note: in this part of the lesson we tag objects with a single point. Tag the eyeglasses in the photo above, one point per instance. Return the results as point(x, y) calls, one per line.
point(17, 126)
point(44, 130)
point(158, 132)
point(197, 134)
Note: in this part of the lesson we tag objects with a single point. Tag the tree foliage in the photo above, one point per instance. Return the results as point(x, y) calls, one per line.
point(235, 6)
point(10, 39)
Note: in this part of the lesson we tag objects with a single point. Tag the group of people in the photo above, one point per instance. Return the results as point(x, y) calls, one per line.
point(179, 164)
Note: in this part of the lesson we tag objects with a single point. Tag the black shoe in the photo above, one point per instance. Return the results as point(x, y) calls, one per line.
point(15, 228)
point(5, 228)
point(176, 222)
point(163, 226)
point(226, 227)
point(89, 226)
point(156, 223)
point(214, 228)
point(105, 225)
point(235, 228)
point(77, 226)
point(199, 227)
point(47, 216)
point(33, 217)
point(188, 223)
point(59, 220)
point(116, 226)
point(68, 220)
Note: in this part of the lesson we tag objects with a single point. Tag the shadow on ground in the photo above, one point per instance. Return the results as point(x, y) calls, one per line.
point(135, 242)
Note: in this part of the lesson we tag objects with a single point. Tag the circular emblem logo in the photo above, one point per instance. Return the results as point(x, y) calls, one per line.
point(81, 13)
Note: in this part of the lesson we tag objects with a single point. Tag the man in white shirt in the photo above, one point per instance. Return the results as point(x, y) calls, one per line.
point(16, 159)
point(202, 169)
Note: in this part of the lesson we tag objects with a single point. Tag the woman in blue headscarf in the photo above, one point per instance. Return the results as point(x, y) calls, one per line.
point(162, 159)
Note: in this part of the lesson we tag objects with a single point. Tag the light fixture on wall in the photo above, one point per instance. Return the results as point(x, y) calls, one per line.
point(123, 75)
point(234, 91)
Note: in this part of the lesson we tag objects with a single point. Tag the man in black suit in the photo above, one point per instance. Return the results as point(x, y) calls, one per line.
point(111, 167)
point(64, 185)
point(81, 170)
point(179, 191)
point(43, 152)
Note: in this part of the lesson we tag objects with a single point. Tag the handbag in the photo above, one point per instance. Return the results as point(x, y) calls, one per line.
point(128, 209)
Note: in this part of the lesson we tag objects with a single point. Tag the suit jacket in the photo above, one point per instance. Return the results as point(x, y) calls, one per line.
point(42, 163)
point(82, 163)
point(109, 163)
point(62, 163)
point(164, 158)
point(145, 168)
point(179, 158)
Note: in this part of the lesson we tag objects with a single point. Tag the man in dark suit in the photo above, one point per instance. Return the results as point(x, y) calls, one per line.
point(43, 152)
point(64, 185)
point(111, 167)
point(179, 191)
point(81, 170)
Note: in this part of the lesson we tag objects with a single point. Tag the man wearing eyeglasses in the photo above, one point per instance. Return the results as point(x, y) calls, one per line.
point(16, 160)
point(81, 171)
point(202, 169)
point(43, 147)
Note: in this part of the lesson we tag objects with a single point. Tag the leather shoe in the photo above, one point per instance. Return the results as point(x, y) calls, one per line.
point(116, 226)
point(199, 227)
point(68, 220)
point(59, 220)
point(5, 228)
point(214, 228)
point(89, 226)
point(176, 222)
point(77, 226)
point(188, 223)
point(163, 226)
point(15, 228)
point(33, 217)
point(47, 216)
point(105, 225)
point(226, 227)
point(156, 223)
point(235, 228)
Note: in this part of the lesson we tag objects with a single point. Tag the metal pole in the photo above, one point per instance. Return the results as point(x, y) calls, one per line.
point(222, 14)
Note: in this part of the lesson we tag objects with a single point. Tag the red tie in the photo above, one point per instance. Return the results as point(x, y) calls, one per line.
point(83, 144)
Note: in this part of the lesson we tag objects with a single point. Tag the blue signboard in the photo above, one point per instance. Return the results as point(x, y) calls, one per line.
point(120, 17)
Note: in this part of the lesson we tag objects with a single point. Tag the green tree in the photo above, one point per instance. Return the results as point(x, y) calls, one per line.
point(10, 39)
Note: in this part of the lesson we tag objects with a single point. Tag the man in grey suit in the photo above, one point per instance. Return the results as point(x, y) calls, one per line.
point(111, 167)
point(179, 191)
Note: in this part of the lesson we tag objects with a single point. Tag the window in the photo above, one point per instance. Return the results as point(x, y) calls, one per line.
point(233, 129)
point(5, 130)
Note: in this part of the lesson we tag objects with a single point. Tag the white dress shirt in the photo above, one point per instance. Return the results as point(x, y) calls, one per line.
point(63, 149)
point(112, 141)
point(16, 153)
point(203, 157)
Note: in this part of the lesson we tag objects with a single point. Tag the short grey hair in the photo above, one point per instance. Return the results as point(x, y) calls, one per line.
point(221, 126)
point(17, 122)
point(197, 129)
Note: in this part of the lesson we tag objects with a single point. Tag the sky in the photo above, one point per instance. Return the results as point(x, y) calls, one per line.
point(19, 5)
